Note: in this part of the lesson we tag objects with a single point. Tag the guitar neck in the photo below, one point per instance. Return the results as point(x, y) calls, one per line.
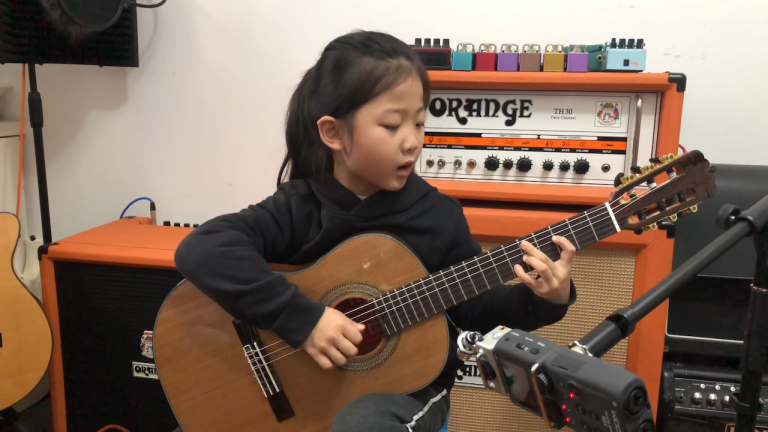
point(426, 297)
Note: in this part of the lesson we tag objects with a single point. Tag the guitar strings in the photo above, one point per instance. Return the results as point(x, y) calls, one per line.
point(468, 275)
point(479, 265)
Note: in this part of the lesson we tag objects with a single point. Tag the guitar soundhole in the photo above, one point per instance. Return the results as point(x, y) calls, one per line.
point(362, 311)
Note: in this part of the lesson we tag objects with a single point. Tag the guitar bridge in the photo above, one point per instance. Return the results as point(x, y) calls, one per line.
point(259, 361)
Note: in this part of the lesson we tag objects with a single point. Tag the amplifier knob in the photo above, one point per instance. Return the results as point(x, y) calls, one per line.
point(697, 397)
point(492, 163)
point(457, 163)
point(712, 399)
point(727, 401)
point(471, 163)
point(441, 163)
point(581, 166)
point(430, 163)
point(565, 166)
point(548, 165)
point(509, 163)
point(524, 164)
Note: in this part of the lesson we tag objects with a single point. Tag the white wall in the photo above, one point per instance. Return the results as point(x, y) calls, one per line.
point(198, 127)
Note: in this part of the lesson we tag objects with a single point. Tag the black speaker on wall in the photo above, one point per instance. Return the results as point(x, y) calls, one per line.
point(82, 32)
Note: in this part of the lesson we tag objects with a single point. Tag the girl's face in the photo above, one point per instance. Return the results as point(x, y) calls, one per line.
point(384, 143)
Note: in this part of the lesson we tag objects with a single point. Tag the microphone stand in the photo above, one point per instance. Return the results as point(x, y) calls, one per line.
point(738, 225)
point(36, 119)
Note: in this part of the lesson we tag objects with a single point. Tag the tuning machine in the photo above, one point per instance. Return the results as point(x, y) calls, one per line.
point(692, 209)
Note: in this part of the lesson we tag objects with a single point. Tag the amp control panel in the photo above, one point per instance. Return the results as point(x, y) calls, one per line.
point(546, 137)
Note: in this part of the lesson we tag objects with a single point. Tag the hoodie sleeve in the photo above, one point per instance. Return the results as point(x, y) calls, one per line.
point(514, 306)
point(227, 259)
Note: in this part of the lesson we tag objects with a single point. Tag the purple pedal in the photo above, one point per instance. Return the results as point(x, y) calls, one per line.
point(508, 59)
point(577, 59)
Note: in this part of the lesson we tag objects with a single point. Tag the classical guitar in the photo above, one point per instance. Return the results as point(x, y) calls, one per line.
point(26, 341)
point(220, 374)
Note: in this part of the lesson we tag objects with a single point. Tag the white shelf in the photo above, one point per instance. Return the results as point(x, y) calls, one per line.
point(9, 128)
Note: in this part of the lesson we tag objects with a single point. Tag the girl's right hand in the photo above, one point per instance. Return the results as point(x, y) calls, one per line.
point(334, 339)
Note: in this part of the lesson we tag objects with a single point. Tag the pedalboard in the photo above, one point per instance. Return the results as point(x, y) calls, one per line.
point(622, 55)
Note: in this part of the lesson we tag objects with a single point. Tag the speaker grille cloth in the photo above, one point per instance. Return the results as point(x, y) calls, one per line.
point(604, 281)
point(103, 312)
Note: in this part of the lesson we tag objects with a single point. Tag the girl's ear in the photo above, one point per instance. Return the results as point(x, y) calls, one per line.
point(331, 132)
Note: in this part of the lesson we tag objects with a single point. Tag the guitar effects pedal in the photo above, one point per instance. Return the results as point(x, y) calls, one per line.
point(626, 55)
point(563, 386)
point(554, 58)
point(576, 59)
point(463, 57)
point(432, 54)
point(530, 58)
point(485, 58)
point(508, 58)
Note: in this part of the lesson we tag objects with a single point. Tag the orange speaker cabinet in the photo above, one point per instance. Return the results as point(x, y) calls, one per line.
point(608, 275)
point(107, 283)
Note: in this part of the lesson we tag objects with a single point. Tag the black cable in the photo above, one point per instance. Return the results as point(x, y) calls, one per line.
point(148, 6)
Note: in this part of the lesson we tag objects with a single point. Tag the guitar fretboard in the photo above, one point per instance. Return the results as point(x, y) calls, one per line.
point(426, 297)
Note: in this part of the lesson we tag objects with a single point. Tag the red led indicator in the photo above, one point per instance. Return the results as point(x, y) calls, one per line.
point(564, 407)
point(572, 395)
point(568, 419)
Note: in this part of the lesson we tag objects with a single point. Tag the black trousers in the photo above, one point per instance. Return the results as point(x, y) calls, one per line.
point(423, 411)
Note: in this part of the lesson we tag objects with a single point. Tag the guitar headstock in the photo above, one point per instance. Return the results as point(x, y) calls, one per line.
point(675, 184)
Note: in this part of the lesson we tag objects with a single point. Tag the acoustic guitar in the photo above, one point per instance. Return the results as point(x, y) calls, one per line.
point(26, 341)
point(220, 374)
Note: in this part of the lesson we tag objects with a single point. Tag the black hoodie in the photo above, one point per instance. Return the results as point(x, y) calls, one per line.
point(227, 257)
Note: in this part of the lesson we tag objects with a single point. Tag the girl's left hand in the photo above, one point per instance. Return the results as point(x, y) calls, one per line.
point(555, 280)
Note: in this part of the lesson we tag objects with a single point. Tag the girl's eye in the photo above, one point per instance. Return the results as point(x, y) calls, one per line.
point(391, 128)
point(420, 125)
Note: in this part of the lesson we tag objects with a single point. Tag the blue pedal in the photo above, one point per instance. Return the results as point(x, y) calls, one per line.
point(464, 57)
point(624, 56)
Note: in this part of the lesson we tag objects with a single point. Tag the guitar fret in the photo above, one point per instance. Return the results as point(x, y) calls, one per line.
point(396, 311)
point(469, 276)
point(439, 294)
point(593, 228)
point(376, 306)
point(421, 302)
point(448, 287)
point(428, 293)
point(403, 305)
point(482, 272)
point(523, 263)
point(535, 243)
point(572, 234)
point(553, 234)
point(506, 257)
point(493, 264)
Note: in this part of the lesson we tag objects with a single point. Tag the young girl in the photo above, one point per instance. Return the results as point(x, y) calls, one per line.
point(354, 132)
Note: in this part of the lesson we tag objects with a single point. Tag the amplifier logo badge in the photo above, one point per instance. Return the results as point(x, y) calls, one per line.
point(144, 370)
point(608, 114)
point(147, 349)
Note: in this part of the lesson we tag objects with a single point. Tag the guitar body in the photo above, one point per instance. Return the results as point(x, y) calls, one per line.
point(26, 341)
point(209, 382)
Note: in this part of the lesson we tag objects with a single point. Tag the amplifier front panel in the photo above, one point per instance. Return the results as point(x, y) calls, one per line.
point(544, 137)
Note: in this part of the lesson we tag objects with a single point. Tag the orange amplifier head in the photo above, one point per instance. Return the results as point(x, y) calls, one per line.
point(545, 137)
point(102, 289)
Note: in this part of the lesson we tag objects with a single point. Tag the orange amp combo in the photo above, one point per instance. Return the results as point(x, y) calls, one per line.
point(521, 151)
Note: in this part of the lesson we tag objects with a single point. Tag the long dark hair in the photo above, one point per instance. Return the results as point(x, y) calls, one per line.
point(352, 70)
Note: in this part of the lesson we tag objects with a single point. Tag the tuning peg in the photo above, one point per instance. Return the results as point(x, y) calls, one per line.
point(649, 227)
point(654, 160)
point(692, 209)
point(669, 227)
point(636, 170)
point(617, 181)
point(671, 218)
